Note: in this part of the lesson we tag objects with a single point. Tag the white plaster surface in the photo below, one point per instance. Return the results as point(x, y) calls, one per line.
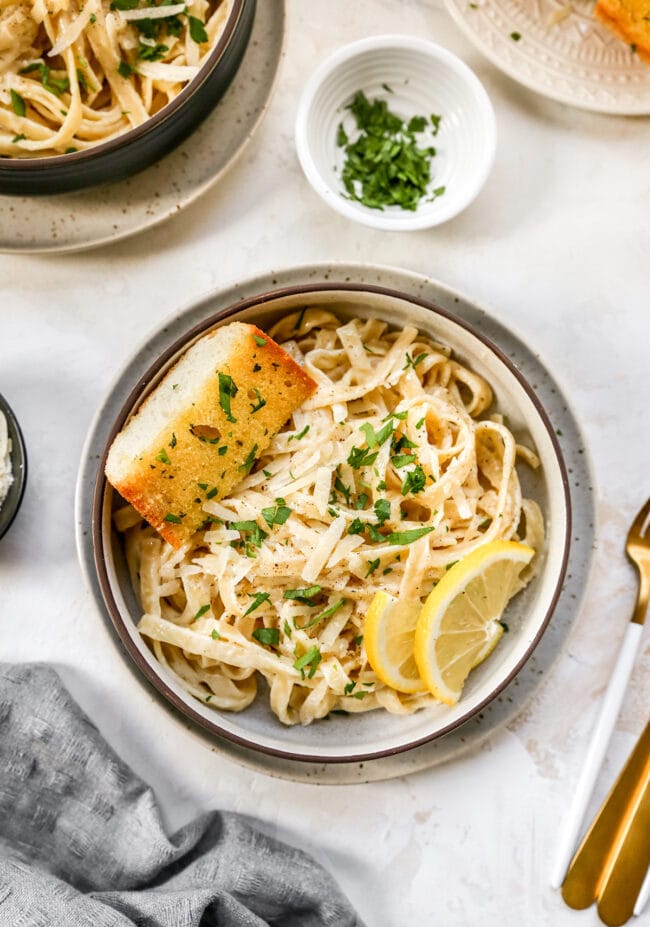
point(556, 246)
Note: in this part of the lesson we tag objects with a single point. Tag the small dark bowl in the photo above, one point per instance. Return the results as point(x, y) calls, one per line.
point(140, 147)
point(9, 507)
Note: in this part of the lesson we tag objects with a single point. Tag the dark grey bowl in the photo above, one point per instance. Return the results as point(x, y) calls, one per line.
point(140, 147)
point(9, 508)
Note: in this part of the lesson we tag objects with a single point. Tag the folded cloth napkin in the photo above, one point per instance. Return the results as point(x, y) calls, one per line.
point(82, 844)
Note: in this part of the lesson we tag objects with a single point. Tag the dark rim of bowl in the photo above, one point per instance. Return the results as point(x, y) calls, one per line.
point(130, 405)
point(149, 125)
point(20, 477)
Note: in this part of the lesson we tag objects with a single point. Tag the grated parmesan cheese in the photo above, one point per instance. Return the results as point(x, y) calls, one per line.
point(6, 476)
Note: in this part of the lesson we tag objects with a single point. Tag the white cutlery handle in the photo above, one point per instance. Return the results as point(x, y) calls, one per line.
point(597, 748)
point(644, 895)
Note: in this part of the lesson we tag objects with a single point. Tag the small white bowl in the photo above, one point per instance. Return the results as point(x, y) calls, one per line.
point(424, 79)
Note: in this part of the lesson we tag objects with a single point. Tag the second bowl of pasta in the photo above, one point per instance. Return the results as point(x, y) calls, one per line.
point(91, 93)
point(418, 450)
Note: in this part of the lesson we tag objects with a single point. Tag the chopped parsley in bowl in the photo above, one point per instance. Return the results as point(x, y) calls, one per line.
point(395, 132)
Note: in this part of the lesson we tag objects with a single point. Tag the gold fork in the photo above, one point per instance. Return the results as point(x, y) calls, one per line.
point(638, 550)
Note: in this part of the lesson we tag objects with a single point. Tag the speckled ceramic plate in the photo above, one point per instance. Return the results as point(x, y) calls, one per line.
point(77, 221)
point(559, 49)
point(515, 696)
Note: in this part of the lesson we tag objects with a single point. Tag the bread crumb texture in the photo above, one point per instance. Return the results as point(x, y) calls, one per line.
point(199, 433)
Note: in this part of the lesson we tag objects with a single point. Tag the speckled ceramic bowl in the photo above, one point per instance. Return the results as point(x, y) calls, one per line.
point(374, 734)
point(11, 503)
point(142, 146)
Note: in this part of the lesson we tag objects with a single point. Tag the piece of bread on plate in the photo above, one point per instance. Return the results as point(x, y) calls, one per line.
point(630, 20)
point(202, 428)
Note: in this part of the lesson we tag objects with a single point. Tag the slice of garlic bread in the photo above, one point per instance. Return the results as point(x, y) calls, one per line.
point(630, 20)
point(202, 428)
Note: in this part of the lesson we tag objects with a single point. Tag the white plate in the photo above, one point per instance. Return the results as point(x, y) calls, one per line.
point(506, 705)
point(576, 61)
point(77, 221)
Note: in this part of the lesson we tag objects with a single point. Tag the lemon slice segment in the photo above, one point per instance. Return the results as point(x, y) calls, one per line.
point(459, 624)
point(388, 633)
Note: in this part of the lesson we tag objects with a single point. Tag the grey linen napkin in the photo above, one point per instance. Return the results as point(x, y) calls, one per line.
point(82, 844)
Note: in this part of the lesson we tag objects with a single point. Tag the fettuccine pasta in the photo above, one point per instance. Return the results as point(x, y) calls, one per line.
point(74, 73)
point(391, 471)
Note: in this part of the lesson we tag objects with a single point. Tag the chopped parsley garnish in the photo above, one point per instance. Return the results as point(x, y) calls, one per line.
point(403, 442)
point(327, 613)
point(358, 640)
point(421, 422)
point(407, 537)
point(255, 407)
point(277, 514)
point(54, 85)
point(349, 687)
point(215, 635)
point(413, 362)
point(402, 460)
point(287, 629)
point(450, 565)
point(222, 450)
point(227, 391)
point(504, 626)
point(361, 501)
point(484, 524)
point(268, 636)
point(414, 481)
point(258, 598)
point(515, 36)
point(372, 566)
point(201, 612)
point(173, 441)
point(212, 492)
point(400, 416)
point(299, 320)
point(19, 138)
point(384, 165)
point(340, 486)
point(300, 434)
point(359, 695)
point(152, 52)
point(361, 457)
point(311, 658)
point(199, 35)
point(124, 69)
point(70, 150)
point(247, 465)
point(92, 19)
point(302, 595)
point(163, 456)
point(259, 341)
point(382, 511)
point(173, 519)
point(17, 103)
point(377, 438)
point(251, 530)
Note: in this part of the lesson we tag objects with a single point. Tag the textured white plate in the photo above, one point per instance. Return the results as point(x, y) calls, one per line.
point(514, 697)
point(576, 61)
point(77, 221)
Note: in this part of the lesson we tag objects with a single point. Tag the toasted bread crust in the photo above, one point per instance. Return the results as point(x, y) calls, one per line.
point(629, 20)
point(201, 454)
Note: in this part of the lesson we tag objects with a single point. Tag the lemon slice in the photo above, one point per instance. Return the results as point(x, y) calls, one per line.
point(459, 625)
point(388, 633)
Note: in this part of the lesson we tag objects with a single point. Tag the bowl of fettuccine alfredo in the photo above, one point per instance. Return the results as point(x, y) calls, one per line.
point(317, 587)
point(92, 91)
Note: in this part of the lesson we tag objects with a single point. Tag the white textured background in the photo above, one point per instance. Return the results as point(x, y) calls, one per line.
point(557, 247)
